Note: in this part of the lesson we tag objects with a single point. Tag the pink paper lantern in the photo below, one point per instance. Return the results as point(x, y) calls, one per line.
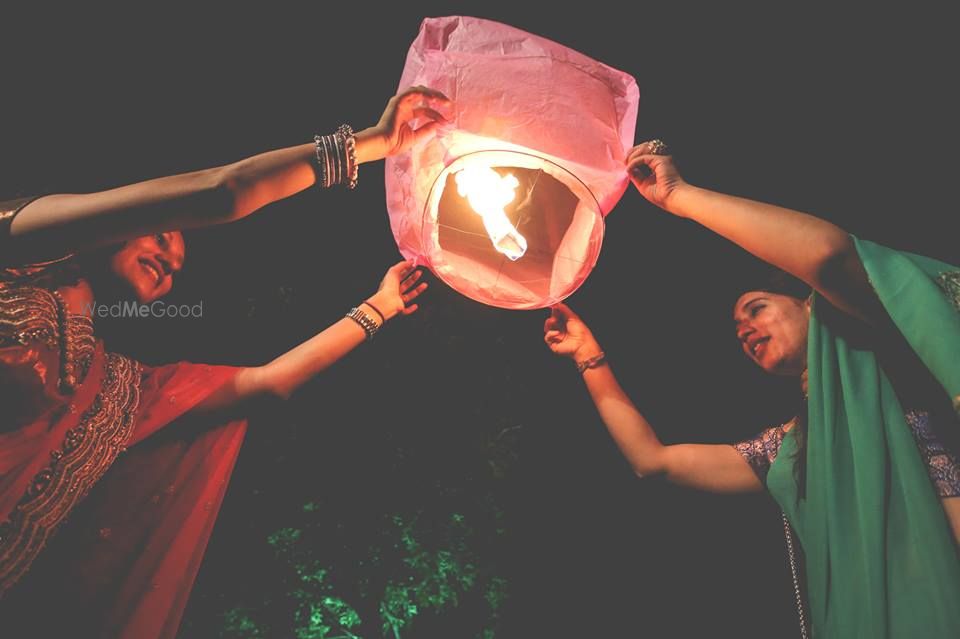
point(507, 205)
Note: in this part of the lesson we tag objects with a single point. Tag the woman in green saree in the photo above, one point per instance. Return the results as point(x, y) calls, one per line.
point(870, 491)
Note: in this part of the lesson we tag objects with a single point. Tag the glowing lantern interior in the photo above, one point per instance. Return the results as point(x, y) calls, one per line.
point(511, 229)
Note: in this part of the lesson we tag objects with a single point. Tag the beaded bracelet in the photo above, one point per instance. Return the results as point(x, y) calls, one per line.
point(350, 143)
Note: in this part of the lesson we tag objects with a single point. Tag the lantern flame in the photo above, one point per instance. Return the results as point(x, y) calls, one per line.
point(488, 193)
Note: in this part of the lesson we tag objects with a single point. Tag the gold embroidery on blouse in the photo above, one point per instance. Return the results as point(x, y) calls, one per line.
point(87, 452)
point(950, 283)
point(30, 314)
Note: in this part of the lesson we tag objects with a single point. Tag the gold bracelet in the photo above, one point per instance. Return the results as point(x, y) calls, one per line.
point(592, 362)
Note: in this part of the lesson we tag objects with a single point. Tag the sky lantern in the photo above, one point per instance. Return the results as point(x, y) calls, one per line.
point(506, 205)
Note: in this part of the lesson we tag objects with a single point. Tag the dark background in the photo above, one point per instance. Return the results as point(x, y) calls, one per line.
point(847, 114)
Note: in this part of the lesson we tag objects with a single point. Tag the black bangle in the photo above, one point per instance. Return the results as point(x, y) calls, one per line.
point(383, 319)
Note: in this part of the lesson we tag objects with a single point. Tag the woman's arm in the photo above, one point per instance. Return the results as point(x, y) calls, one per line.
point(814, 250)
point(56, 225)
point(285, 374)
point(715, 468)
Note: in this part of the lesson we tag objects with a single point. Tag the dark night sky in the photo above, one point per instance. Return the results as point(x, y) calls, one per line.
point(848, 115)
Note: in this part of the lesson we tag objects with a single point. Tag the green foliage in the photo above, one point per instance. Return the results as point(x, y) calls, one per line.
point(238, 623)
point(421, 570)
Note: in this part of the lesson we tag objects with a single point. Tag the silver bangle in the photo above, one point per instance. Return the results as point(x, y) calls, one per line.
point(367, 323)
point(329, 160)
point(331, 157)
point(336, 156)
point(350, 144)
point(321, 157)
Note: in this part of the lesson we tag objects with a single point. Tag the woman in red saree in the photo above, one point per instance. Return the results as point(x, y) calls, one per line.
point(112, 472)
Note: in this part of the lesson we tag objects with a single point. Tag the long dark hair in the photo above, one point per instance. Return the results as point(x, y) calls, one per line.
point(66, 271)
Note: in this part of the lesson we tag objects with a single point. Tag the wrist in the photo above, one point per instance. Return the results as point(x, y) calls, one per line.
point(336, 158)
point(371, 145)
point(373, 310)
point(382, 309)
point(585, 352)
point(681, 200)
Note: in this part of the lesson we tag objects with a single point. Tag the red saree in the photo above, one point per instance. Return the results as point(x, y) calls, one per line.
point(109, 486)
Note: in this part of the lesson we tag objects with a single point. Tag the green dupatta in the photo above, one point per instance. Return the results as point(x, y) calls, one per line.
point(881, 561)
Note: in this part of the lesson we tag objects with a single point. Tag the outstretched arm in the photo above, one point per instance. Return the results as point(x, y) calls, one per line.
point(715, 468)
point(55, 225)
point(285, 374)
point(814, 250)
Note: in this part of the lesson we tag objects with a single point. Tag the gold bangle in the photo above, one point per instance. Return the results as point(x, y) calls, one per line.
point(592, 362)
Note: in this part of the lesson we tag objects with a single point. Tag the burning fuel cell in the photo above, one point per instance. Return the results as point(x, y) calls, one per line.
point(488, 193)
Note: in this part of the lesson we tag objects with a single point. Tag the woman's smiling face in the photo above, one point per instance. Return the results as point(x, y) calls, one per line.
point(146, 264)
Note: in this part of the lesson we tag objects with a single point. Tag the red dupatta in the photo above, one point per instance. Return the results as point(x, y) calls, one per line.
point(110, 494)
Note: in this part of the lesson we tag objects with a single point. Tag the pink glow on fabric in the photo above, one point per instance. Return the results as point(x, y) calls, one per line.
point(558, 121)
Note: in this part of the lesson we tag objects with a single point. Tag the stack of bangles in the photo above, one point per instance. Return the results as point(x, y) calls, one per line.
point(337, 157)
point(369, 325)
